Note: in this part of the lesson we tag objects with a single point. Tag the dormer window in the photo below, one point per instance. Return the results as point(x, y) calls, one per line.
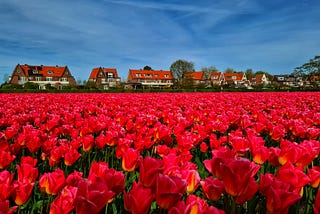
point(166, 75)
point(35, 72)
point(50, 72)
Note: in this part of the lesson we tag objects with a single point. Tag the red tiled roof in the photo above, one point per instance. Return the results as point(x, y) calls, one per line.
point(150, 74)
point(95, 71)
point(196, 75)
point(257, 78)
point(238, 76)
point(215, 74)
point(46, 71)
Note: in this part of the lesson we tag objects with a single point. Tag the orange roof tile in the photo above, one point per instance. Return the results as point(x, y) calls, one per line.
point(238, 76)
point(95, 71)
point(215, 74)
point(196, 75)
point(46, 71)
point(150, 74)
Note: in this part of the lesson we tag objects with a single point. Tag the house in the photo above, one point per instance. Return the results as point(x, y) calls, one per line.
point(217, 78)
point(44, 76)
point(150, 78)
point(287, 80)
point(104, 77)
point(197, 77)
point(236, 79)
point(259, 79)
point(315, 80)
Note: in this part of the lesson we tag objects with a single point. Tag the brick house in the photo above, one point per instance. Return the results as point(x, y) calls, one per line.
point(236, 79)
point(259, 79)
point(150, 78)
point(105, 77)
point(55, 76)
point(217, 78)
point(197, 77)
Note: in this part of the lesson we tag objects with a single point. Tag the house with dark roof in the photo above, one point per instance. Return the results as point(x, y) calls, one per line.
point(150, 78)
point(104, 78)
point(44, 76)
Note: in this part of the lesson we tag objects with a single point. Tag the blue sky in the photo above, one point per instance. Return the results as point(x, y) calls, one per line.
point(274, 36)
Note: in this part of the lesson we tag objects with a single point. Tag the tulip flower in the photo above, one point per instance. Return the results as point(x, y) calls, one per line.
point(212, 188)
point(314, 175)
point(71, 157)
point(316, 206)
point(6, 186)
point(63, 203)
point(278, 194)
point(149, 170)
point(294, 176)
point(130, 159)
point(22, 192)
point(192, 179)
point(74, 178)
point(138, 200)
point(169, 190)
point(5, 209)
point(87, 143)
point(91, 197)
point(6, 158)
point(52, 183)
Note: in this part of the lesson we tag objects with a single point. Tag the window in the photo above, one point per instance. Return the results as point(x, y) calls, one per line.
point(138, 75)
point(110, 75)
point(147, 75)
point(34, 71)
point(64, 79)
point(38, 79)
point(166, 75)
point(103, 80)
point(50, 72)
point(281, 78)
point(48, 78)
point(214, 77)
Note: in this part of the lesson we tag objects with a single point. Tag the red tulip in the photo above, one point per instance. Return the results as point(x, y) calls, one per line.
point(6, 158)
point(6, 186)
point(180, 208)
point(294, 176)
point(314, 175)
point(277, 132)
point(5, 209)
point(63, 203)
point(71, 157)
point(92, 196)
point(138, 199)
point(87, 143)
point(192, 179)
point(149, 170)
point(197, 204)
point(22, 192)
point(74, 178)
point(130, 159)
point(52, 183)
point(27, 173)
point(278, 194)
point(238, 177)
point(169, 190)
point(203, 147)
point(212, 188)
point(316, 206)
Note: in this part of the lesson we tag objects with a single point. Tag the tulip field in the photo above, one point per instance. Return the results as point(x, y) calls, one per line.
point(173, 153)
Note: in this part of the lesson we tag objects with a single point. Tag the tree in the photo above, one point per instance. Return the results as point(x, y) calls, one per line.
point(5, 78)
point(79, 81)
point(208, 71)
point(179, 67)
point(310, 68)
point(249, 73)
point(147, 68)
point(230, 70)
